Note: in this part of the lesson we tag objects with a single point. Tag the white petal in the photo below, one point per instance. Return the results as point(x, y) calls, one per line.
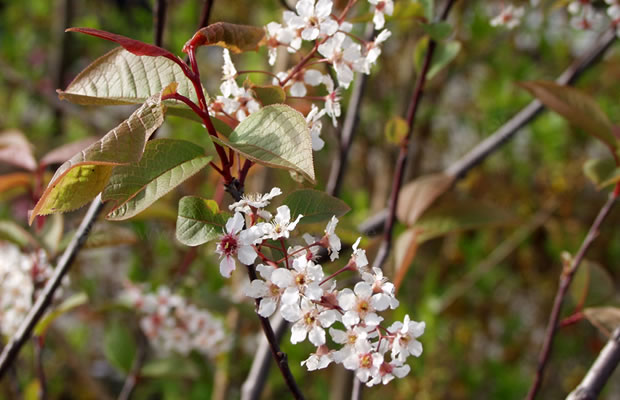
point(227, 266)
point(363, 290)
point(298, 89)
point(298, 333)
point(282, 277)
point(267, 307)
point(290, 296)
point(291, 312)
point(313, 77)
point(317, 336)
point(256, 289)
point(246, 254)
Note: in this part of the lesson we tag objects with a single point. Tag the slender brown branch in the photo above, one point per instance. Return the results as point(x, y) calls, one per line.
point(10, 351)
point(278, 355)
point(375, 224)
point(39, 343)
point(600, 372)
point(401, 162)
point(566, 277)
point(159, 21)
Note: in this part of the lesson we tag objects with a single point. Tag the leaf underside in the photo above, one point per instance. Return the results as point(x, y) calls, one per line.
point(80, 179)
point(236, 38)
point(165, 164)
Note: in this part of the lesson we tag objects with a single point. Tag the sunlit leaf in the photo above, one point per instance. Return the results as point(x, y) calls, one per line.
point(80, 179)
point(61, 154)
point(269, 94)
point(429, 8)
point(236, 38)
point(120, 77)
point(16, 150)
point(606, 319)
point(199, 221)
point(417, 196)
point(276, 136)
point(315, 206)
point(576, 106)
point(67, 305)
point(165, 164)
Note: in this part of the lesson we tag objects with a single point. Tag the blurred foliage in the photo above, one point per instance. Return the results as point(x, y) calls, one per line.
point(483, 346)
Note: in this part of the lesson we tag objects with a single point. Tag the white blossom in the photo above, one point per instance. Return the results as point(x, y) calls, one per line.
point(510, 17)
point(267, 290)
point(344, 55)
point(254, 201)
point(309, 320)
point(381, 7)
point(281, 225)
point(405, 342)
point(236, 242)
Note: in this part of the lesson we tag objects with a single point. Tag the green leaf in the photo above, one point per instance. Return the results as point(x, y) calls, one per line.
point(276, 136)
point(445, 53)
point(172, 367)
point(269, 94)
point(438, 31)
point(396, 129)
point(165, 164)
point(315, 206)
point(119, 346)
point(14, 233)
point(80, 179)
point(577, 107)
point(199, 221)
point(602, 172)
point(236, 38)
point(606, 319)
point(120, 77)
point(67, 305)
point(459, 216)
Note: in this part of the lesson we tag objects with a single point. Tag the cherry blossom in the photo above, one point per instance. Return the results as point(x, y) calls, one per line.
point(358, 258)
point(281, 225)
point(253, 202)
point(313, 119)
point(510, 17)
point(405, 342)
point(381, 286)
point(344, 55)
point(381, 7)
point(331, 241)
point(302, 279)
point(309, 320)
point(313, 19)
point(236, 243)
point(267, 290)
point(360, 305)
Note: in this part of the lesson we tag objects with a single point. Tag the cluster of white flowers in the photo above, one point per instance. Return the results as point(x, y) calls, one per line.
point(584, 15)
point(22, 276)
point(172, 324)
point(509, 17)
point(333, 44)
point(297, 286)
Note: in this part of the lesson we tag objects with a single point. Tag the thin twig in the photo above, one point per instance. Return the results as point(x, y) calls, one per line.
point(159, 21)
point(401, 163)
point(397, 183)
point(600, 372)
point(566, 277)
point(205, 14)
point(10, 351)
point(374, 225)
point(277, 354)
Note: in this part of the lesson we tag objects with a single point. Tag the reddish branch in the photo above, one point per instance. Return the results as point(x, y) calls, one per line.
point(565, 280)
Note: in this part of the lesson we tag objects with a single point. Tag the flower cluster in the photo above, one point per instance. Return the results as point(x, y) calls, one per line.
point(297, 286)
point(172, 324)
point(22, 276)
point(583, 14)
point(334, 45)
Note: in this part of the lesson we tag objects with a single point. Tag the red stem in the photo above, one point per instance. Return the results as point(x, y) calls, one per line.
point(565, 280)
